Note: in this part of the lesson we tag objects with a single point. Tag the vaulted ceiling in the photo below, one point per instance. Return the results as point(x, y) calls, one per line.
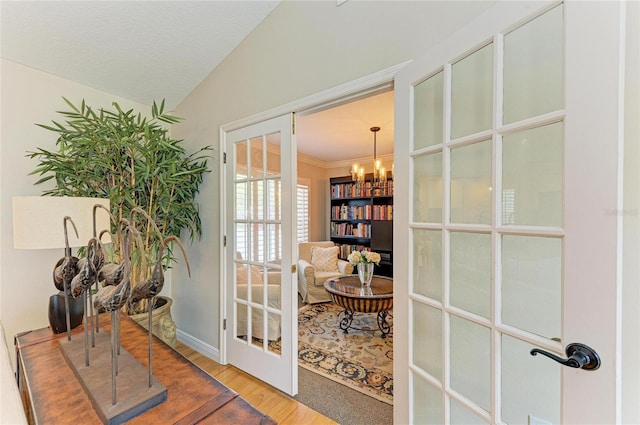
point(135, 49)
point(141, 50)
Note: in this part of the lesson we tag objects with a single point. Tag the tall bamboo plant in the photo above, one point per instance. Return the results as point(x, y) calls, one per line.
point(132, 160)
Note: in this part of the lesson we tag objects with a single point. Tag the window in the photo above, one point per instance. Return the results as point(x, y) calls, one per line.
point(303, 213)
point(274, 251)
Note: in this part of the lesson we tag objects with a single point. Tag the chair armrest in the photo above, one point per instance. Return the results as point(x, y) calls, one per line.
point(345, 267)
point(306, 271)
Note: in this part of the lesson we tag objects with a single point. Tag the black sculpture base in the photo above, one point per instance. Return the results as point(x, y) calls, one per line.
point(57, 315)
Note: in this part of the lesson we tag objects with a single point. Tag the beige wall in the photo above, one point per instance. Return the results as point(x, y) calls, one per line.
point(300, 49)
point(28, 97)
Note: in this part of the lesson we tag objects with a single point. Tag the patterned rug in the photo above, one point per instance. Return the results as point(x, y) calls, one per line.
point(360, 359)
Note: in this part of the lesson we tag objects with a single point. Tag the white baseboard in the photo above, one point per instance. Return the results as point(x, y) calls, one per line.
point(198, 345)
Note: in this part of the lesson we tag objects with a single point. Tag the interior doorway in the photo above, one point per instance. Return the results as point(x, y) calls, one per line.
point(369, 85)
point(330, 140)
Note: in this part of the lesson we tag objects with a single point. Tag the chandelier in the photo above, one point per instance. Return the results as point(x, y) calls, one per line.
point(379, 177)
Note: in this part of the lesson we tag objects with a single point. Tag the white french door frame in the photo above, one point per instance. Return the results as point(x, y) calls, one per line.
point(366, 86)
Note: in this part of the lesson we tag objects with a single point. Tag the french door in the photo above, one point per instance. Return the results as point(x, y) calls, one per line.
point(507, 136)
point(260, 301)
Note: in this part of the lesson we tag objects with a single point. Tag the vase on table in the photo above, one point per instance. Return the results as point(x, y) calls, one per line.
point(365, 273)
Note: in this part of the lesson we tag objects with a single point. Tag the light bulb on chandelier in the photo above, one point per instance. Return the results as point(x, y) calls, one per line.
point(379, 180)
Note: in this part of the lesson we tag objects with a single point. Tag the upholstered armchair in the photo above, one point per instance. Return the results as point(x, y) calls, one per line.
point(317, 262)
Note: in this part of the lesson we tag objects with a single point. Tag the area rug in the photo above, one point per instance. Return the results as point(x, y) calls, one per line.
point(359, 359)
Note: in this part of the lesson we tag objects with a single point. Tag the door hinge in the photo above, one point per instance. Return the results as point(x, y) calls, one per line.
point(224, 325)
point(224, 241)
point(294, 268)
point(224, 157)
point(293, 124)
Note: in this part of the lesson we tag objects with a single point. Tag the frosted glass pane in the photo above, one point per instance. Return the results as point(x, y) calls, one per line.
point(256, 157)
point(471, 361)
point(274, 322)
point(470, 273)
point(427, 188)
point(274, 242)
point(463, 416)
point(532, 176)
point(471, 183)
point(532, 284)
point(472, 93)
point(242, 241)
point(273, 154)
point(242, 200)
point(428, 112)
point(274, 199)
point(427, 403)
point(427, 263)
point(256, 253)
point(427, 339)
point(534, 67)
point(540, 397)
point(241, 160)
point(256, 203)
point(242, 318)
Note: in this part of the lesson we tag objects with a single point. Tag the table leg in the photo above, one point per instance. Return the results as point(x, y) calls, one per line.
point(384, 326)
point(345, 323)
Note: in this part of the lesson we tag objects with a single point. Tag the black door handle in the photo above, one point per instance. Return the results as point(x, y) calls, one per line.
point(578, 356)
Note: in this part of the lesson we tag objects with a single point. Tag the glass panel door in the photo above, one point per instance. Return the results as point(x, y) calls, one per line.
point(508, 139)
point(260, 304)
point(487, 230)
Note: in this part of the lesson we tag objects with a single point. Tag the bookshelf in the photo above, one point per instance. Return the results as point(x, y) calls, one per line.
point(362, 219)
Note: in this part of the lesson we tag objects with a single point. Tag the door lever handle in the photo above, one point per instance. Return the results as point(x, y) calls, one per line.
point(579, 356)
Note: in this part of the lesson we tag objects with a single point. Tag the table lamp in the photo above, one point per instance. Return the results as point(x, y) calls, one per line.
point(38, 223)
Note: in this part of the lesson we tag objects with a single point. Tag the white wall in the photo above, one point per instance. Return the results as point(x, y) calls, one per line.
point(300, 49)
point(28, 97)
point(631, 223)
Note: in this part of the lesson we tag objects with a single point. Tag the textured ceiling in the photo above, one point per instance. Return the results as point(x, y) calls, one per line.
point(140, 50)
point(154, 50)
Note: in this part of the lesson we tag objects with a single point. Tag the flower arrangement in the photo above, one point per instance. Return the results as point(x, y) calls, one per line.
point(364, 257)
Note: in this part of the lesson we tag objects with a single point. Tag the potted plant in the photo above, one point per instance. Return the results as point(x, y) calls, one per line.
point(132, 160)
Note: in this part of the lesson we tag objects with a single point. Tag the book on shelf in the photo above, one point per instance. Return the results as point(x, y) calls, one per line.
point(351, 190)
point(383, 212)
point(346, 249)
point(351, 212)
point(359, 230)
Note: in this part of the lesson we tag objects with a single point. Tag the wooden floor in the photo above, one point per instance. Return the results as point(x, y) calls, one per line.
point(265, 398)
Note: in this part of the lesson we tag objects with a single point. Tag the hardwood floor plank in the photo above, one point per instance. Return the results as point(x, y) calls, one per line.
point(281, 407)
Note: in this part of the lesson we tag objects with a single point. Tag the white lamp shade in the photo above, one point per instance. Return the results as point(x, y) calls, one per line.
point(38, 221)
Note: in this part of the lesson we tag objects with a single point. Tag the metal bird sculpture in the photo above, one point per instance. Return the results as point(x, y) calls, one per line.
point(87, 271)
point(97, 316)
point(98, 263)
point(112, 273)
point(65, 270)
point(112, 299)
point(152, 287)
point(87, 274)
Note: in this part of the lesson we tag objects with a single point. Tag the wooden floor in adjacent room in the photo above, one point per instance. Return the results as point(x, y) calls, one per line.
point(264, 397)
